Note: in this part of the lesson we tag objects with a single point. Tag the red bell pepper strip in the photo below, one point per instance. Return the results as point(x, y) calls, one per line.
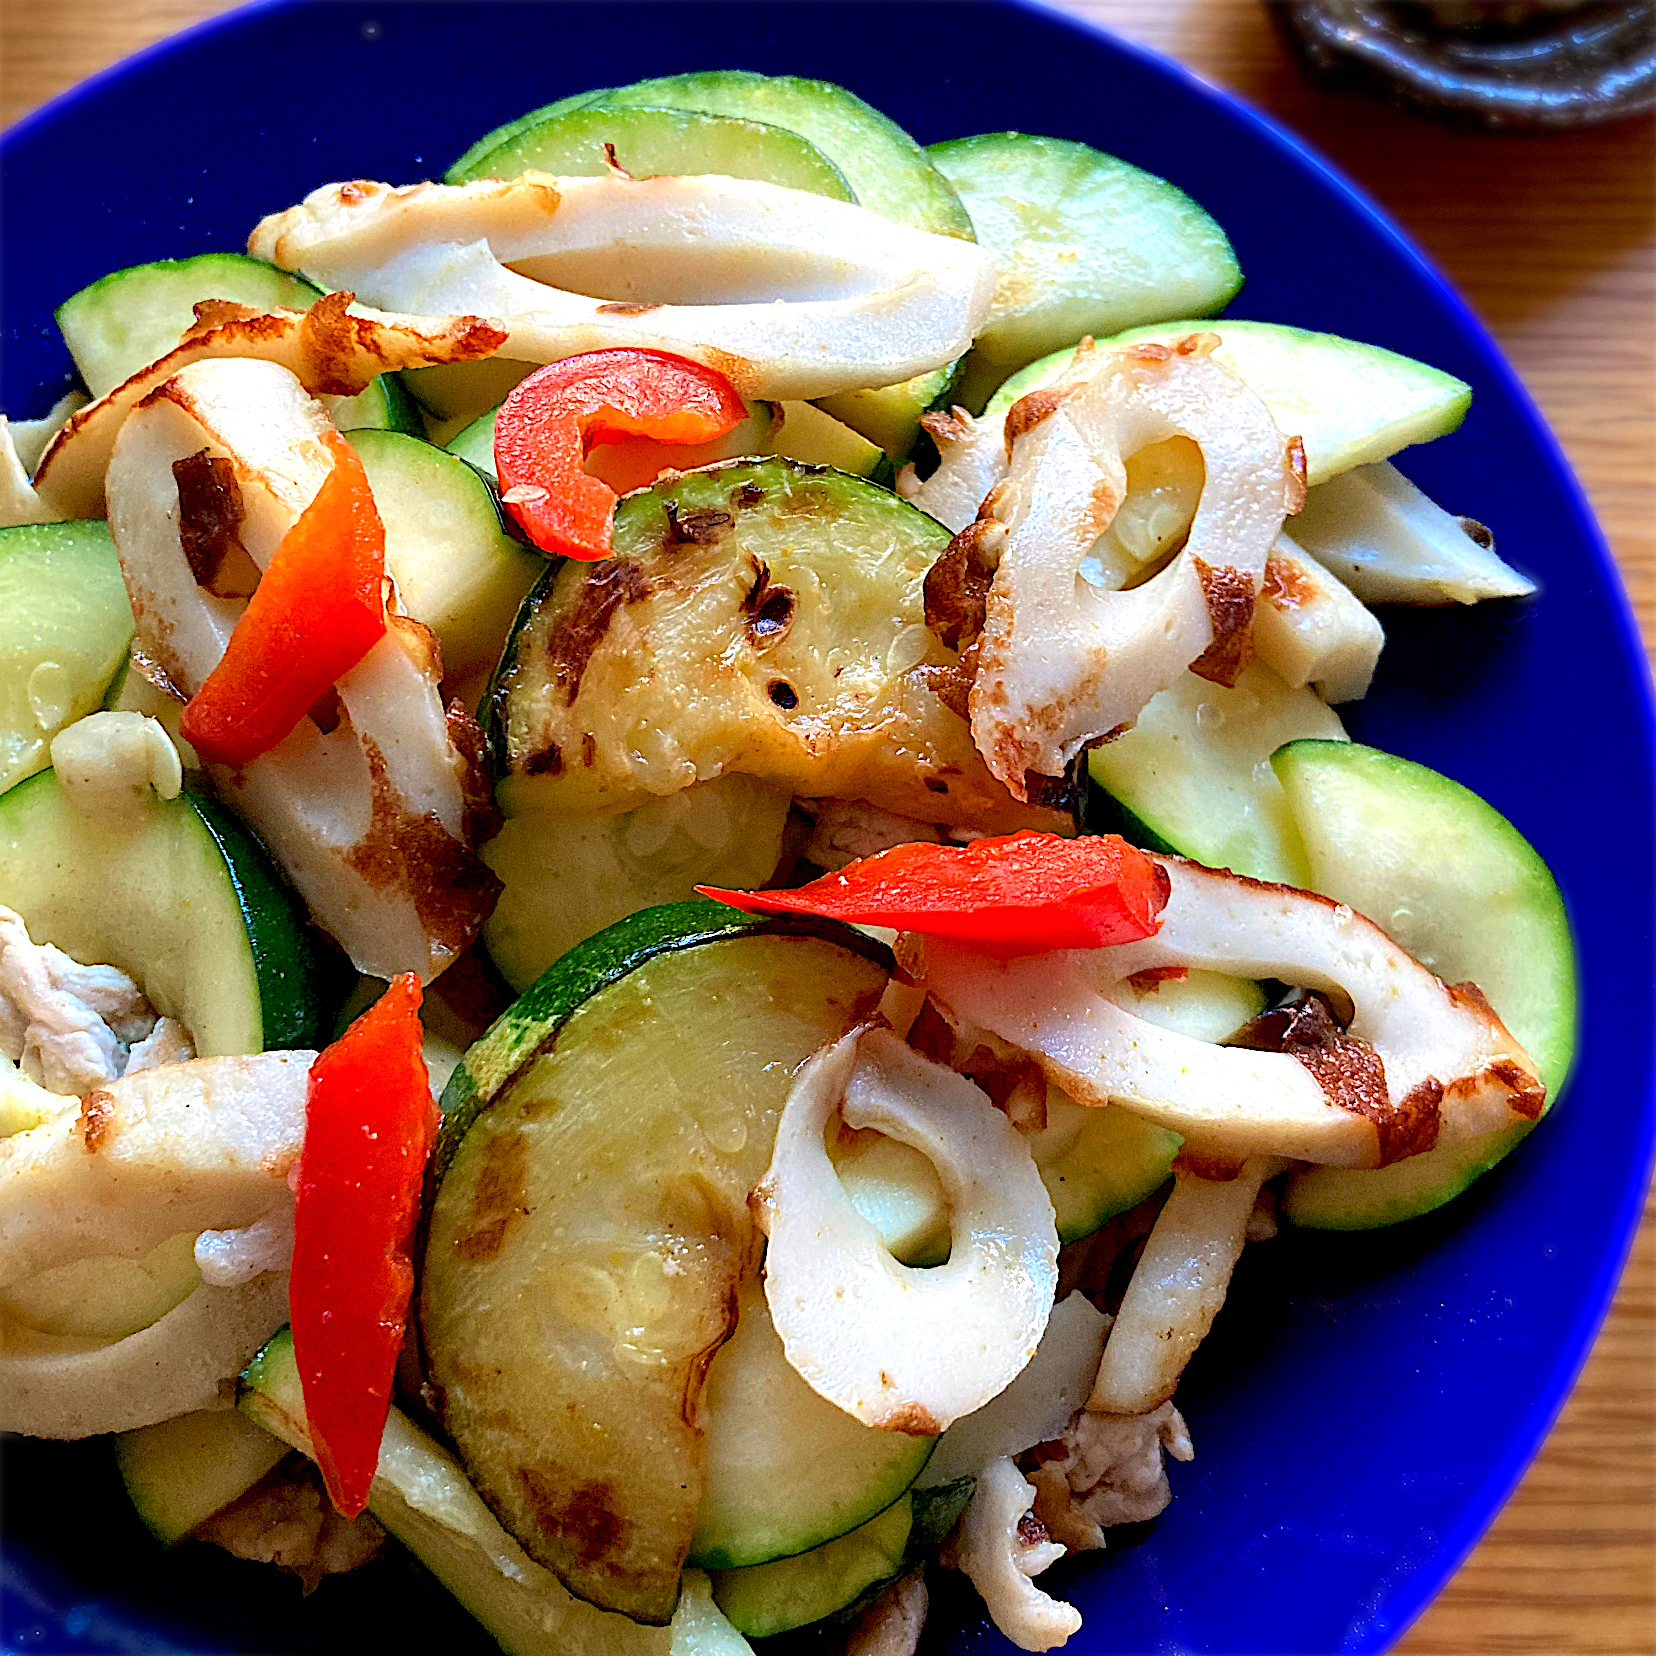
point(546, 426)
point(1015, 894)
point(318, 609)
point(369, 1126)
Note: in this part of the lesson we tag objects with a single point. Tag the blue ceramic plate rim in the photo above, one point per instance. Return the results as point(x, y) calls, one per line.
point(1421, 1583)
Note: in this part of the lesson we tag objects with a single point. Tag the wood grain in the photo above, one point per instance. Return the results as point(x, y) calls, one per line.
point(1553, 240)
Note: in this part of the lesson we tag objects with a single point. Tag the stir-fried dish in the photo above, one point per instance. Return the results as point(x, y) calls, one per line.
point(679, 870)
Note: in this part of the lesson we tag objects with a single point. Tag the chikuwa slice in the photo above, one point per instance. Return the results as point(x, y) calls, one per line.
point(598, 1149)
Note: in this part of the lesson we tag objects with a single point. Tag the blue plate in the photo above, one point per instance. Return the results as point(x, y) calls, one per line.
point(1365, 1403)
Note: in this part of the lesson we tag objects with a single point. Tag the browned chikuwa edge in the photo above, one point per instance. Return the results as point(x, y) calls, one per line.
point(1285, 588)
point(453, 891)
point(1230, 604)
point(96, 1119)
point(1350, 1072)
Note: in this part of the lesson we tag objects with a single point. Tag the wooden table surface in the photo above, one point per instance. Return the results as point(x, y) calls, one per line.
point(1553, 240)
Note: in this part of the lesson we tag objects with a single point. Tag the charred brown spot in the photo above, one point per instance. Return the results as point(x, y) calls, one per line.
point(1031, 1531)
point(952, 685)
point(326, 711)
point(605, 588)
point(769, 609)
point(745, 495)
point(1016, 1086)
point(624, 308)
point(957, 585)
point(589, 749)
point(210, 517)
point(482, 815)
point(328, 340)
point(1230, 604)
point(356, 191)
point(697, 528)
point(931, 1035)
point(783, 694)
point(453, 892)
point(583, 1517)
point(1480, 533)
point(498, 1199)
point(1200, 1164)
point(1153, 977)
point(912, 1419)
point(96, 1120)
point(1057, 793)
point(544, 761)
point(214, 313)
point(1028, 412)
point(1286, 586)
point(1528, 1096)
point(936, 785)
point(1350, 1073)
point(947, 426)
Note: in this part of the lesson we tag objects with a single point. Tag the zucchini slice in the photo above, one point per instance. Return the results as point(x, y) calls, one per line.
point(1447, 876)
point(765, 1599)
point(1194, 774)
point(187, 903)
point(446, 546)
point(1088, 244)
point(65, 626)
point(786, 1470)
point(566, 878)
point(1351, 404)
point(762, 618)
point(179, 1472)
point(590, 1227)
point(422, 1497)
point(125, 320)
point(888, 172)
point(576, 143)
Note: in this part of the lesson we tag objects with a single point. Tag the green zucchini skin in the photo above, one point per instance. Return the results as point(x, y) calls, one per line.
point(530, 1025)
point(1379, 830)
point(1089, 244)
point(651, 142)
point(179, 1472)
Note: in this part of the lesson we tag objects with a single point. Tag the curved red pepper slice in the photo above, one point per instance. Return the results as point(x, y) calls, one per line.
point(543, 431)
point(1013, 894)
point(369, 1126)
point(318, 609)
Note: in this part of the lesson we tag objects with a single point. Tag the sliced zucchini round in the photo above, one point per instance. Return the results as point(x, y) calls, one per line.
point(786, 1469)
point(186, 902)
point(446, 547)
point(1351, 404)
point(382, 405)
point(766, 1599)
point(761, 618)
point(590, 1227)
point(1446, 875)
point(1195, 771)
point(125, 320)
point(179, 1472)
point(577, 143)
point(566, 878)
point(65, 626)
point(888, 172)
point(1088, 244)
